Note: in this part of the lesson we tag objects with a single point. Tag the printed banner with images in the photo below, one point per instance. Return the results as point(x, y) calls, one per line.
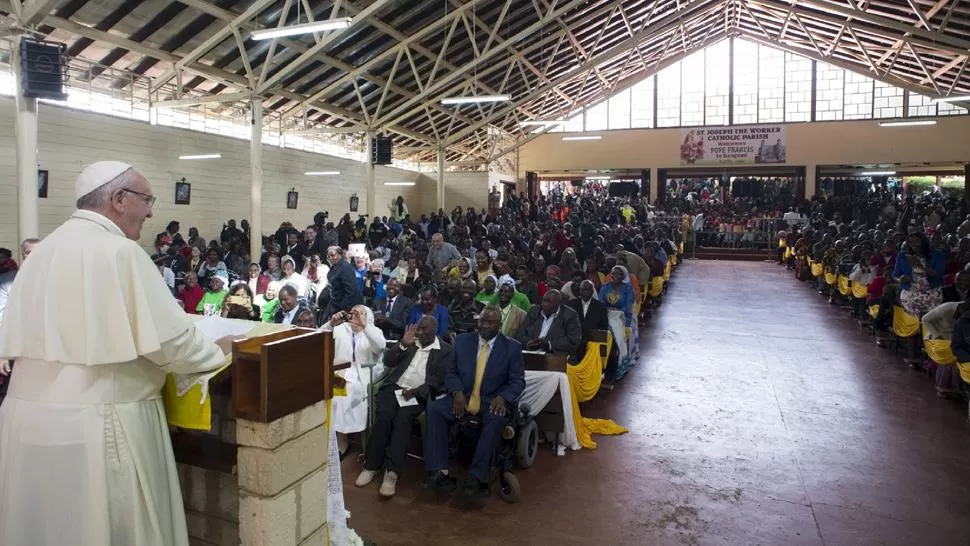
point(732, 145)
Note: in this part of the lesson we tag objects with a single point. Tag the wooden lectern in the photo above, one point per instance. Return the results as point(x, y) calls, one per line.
point(267, 449)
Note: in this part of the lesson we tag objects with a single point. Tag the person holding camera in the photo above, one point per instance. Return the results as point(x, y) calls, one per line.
point(375, 281)
point(239, 304)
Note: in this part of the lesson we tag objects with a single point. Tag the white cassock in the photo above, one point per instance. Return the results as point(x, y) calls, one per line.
point(85, 453)
point(364, 347)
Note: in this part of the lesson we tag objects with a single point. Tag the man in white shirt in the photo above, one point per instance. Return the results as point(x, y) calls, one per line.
point(551, 326)
point(417, 373)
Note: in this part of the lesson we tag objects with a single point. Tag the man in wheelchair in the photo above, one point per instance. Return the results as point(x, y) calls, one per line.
point(484, 377)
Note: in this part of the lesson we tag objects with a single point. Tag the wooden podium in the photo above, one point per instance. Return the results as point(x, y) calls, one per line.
point(259, 476)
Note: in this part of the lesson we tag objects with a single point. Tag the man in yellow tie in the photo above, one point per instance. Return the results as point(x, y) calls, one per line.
point(485, 375)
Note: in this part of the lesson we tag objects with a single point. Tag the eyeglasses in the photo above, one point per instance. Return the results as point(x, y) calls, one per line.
point(149, 199)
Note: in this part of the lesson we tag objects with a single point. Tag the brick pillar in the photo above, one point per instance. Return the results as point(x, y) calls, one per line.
point(282, 469)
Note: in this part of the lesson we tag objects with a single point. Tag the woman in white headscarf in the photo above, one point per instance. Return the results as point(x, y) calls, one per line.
point(355, 340)
point(621, 307)
point(291, 277)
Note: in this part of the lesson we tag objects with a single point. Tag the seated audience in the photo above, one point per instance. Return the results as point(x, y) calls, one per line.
point(239, 303)
point(591, 312)
point(290, 304)
point(211, 302)
point(428, 306)
point(391, 312)
point(294, 279)
point(512, 315)
point(551, 327)
point(190, 294)
point(485, 375)
point(417, 366)
point(257, 281)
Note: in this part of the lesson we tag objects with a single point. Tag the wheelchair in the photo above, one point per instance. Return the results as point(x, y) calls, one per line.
point(519, 444)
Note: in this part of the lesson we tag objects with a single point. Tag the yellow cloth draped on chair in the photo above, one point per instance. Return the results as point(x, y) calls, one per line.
point(830, 278)
point(788, 253)
point(667, 271)
point(874, 311)
point(656, 287)
point(859, 290)
point(584, 381)
point(939, 350)
point(817, 269)
point(904, 324)
point(964, 371)
point(843, 283)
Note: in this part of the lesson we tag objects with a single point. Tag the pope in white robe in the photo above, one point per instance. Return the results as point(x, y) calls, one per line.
point(85, 453)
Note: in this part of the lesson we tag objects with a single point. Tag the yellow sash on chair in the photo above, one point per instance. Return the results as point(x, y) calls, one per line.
point(830, 278)
point(656, 287)
point(788, 253)
point(964, 371)
point(874, 311)
point(817, 269)
point(680, 248)
point(585, 377)
point(904, 324)
point(843, 283)
point(667, 271)
point(939, 351)
point(859, 290)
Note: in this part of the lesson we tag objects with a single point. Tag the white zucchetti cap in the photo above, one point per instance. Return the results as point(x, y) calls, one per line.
point(96, 175)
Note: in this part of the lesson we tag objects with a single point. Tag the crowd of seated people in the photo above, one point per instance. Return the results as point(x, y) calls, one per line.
point(901, 266)
point(536, 275)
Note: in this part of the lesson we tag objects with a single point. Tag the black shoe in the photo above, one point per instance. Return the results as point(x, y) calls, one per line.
point(440, 481)
point(475, 488)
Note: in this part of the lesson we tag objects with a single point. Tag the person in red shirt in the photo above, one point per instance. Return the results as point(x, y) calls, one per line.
point(191, 294)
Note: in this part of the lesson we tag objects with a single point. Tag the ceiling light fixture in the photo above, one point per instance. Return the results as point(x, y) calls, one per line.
point(907, 123)
point(305, 28)
point(321, 173)
point(201, 156)
point(952, 98)
point(398, 183)
point(453, 101)
point(877, 173)
point(599, 178)
point(583, 137)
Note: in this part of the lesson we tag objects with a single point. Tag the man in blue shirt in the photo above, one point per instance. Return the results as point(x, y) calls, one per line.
point(428, 306)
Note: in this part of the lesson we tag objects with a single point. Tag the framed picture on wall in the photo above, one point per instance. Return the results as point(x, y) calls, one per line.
point(42, 180)
point(183, 193)
point(292, 197)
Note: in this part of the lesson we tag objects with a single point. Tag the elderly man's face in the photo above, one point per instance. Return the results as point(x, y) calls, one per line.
point(586, 291)
point(550, 303)
point(425, 332)
point(287, 301)
point(134, 206)
point(488, 324)
point(437, 240)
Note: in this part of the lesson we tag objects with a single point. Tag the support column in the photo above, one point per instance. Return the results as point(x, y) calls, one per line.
point(28, 223)
point(654, 184)
point(371, 179)
point(811, 179)
point(441, 179)
point(256, 182)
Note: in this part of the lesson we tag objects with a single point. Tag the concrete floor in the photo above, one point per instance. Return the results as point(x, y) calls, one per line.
point(759, 415)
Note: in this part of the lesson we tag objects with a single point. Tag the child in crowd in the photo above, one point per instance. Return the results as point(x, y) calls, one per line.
point(211, 303)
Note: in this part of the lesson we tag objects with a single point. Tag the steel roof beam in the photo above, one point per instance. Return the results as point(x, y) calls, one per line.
point(33, 12)
point(669, 23)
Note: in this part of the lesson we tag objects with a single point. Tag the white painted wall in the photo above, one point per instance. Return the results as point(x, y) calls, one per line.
point(469, 189)
point(71, 139)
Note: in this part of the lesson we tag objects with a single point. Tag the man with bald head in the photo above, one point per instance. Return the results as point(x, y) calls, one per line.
point(485, 375)
point(551, 326)
point(416, 371)
point(84, 443)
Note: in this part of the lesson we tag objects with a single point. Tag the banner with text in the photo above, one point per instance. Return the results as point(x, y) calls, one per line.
point(732, 145)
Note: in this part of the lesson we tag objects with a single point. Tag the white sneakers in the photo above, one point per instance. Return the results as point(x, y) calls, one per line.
point(366, 476)
point(388, 486)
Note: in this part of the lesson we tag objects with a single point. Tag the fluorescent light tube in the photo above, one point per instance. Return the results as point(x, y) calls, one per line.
point(599, 178)
point(952, 98)
point(305, 28)
point(878, 173)
point(475, 99)
point(907, 123)
point(541, 123)
point(201, 156)
point(321, 173)
point(583, 137)
point(398, 183)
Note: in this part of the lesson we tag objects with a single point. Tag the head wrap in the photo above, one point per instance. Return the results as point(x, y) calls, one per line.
point(553, 271)
point(96, 175)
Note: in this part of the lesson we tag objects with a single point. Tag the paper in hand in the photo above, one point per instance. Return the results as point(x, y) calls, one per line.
point(401, 402)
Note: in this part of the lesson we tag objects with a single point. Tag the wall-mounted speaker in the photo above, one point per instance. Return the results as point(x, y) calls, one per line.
point(381, 150)
point(43, 65)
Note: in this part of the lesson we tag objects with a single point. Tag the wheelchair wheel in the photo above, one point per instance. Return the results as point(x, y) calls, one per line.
point(509, 487)
point(527, 445)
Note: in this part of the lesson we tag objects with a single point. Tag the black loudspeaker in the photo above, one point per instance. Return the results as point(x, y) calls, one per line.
point(381, 150)
point(43, 67)
point(623, 189)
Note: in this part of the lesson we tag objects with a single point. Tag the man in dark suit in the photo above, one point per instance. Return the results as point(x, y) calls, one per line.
point(416, 371)
point(486, 373)
point(344, 290)
point(591, 311)
point(392, 312)
point(551, 326)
